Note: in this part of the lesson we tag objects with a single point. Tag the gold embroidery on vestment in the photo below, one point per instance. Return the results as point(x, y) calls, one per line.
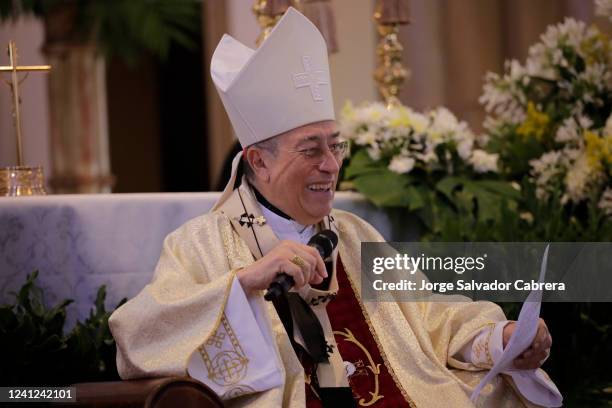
point(237, 391)
point(487, 350)
point(375, 368)
point(230, 365)
point(379, 345)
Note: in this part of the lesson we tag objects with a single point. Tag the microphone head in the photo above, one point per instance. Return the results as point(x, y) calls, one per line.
point(327, 240)
point(332, 236)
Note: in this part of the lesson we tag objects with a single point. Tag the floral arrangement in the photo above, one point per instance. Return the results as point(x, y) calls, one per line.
point(550, 118)
point(430, 163)
point(434, 141)
point(604, 8)
point(543, 171)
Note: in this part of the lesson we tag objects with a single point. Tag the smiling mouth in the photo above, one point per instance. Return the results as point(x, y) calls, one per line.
point(320, 187)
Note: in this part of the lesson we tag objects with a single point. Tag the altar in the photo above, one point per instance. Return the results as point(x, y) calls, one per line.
point(80, 242)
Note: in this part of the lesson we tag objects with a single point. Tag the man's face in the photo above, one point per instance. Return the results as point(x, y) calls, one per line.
point(303, 172)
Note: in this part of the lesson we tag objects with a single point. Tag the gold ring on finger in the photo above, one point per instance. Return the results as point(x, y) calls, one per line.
point(298, 261)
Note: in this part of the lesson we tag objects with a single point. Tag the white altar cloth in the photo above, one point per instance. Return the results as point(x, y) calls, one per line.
point(80, 242)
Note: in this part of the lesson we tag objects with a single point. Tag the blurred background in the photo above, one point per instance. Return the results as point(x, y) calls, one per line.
point(166, 130)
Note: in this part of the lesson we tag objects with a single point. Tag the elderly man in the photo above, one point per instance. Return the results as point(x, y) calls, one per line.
point(204, 315)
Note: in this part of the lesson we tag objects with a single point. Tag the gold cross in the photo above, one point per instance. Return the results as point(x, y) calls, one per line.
point(14, 83)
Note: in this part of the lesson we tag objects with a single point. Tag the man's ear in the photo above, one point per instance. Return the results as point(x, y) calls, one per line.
point(258, 163)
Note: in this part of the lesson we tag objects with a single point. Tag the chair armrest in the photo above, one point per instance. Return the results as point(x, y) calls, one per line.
point(164, 392)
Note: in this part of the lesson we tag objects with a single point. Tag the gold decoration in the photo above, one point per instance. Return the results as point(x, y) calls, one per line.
point(268, 12)
point(390, 74)
point(298, 261)
point(319, 12)
point(381, 350)
point(373, 367)
point(20, 180)
point(487, 350)
point(225, 366)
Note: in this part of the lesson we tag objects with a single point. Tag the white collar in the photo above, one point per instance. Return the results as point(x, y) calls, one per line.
point(286, 229)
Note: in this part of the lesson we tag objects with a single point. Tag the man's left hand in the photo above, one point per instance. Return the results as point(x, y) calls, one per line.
point(534, 356)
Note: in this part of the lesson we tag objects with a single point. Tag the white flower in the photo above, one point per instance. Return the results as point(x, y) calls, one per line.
point(418, 121)
point(445, 122)
point(375, 112)
point(502, 97)
point(418, 137)
point(580, 92)
point(464, 148)
point(374, 152)
point(505, 96)
point(483, 161)
point(595, 75)
point(428, 157)
point(347, 128)
point(366, 138)
point(581, 178)
point(401, 164)
point(571, 32)
point(526, 216)
point(546, 161)
point(604, 8)
point(576, 179)
point(544, 170)
point(608, 128)
point(517, 71)
point(585, 122)
point(605, 202)
point(537, 63)
point(568, 132)
point(571, 154)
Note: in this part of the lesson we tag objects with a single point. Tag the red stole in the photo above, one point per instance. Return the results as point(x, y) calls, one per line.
point(371, 382)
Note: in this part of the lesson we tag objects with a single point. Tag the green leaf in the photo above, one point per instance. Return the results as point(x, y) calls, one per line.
point(100, 297)
point(33, 344)
point(482, 198)
point(55, 318)
point(23, 296)
point(448, 185)
point(500, 187)
point(384, 188)
point(415, 196)
point(126, 28)
point(488, 204)
point(361, 163)
point(51, 344)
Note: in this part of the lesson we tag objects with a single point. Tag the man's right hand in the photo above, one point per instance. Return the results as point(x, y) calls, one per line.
point(262, 272)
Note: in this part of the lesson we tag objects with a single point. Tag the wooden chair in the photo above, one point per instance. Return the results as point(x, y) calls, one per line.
point(167, 392)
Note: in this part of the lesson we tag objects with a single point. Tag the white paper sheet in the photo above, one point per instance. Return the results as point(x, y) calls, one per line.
point(533, 384)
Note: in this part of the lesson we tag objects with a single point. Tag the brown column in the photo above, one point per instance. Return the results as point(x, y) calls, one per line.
point(77, 108)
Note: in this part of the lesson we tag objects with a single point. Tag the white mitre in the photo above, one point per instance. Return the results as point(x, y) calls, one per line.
point(282, 85)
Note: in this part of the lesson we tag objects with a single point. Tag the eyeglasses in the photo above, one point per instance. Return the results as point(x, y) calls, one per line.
point(317, 155)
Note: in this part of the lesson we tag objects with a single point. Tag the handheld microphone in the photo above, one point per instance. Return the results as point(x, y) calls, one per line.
point(324, 242)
